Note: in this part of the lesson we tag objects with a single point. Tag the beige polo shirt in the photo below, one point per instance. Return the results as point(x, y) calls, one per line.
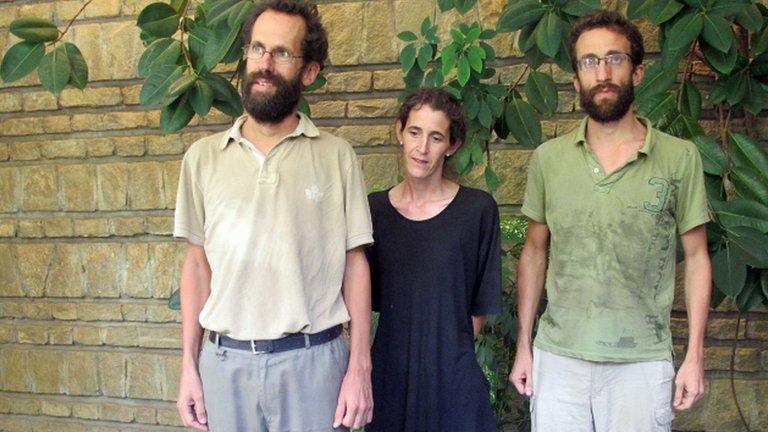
point(275, 228)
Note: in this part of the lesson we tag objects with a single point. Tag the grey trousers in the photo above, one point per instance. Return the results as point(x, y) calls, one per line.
point(294, 390)
point(575, 395)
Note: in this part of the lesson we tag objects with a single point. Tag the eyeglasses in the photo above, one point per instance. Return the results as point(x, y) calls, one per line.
point(591, 62)
point(279, 55)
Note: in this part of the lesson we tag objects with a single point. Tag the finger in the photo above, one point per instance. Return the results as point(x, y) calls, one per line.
point(369, 415)
point(349, 416)
point(678, 396)
point(200, 413)
point(185, 412)
point(528, 384)
point(339, 415)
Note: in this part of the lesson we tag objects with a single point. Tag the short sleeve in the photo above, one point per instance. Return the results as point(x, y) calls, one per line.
point(189, 216)
point(358, 215)
point(534, 201)
point(486, 298)
point(691, 206)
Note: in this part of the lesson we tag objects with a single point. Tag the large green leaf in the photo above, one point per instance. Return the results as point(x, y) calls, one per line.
point(685, 30)
point(747, 152)
point(54, 70)
point(159, 20)
point(542, 93)
point(175, 116)
point(712, 156)
point(752, 294)
point(475, 55)
point(79, 68)
point(448, 58)
point(519, 14)
point(464, 71)
point(20, 60)
point(728, 8)
point(219, 44)
point(225, 96)
point(636, 9)
point(165, 51)
point(181, 85)
point(425, 56)
point(220, 10)
point(741, 212)
point(581, 7)
point(491, 179)
point(736, 87)
point(729, 271)
point(722, 62)
point(751, 18)
point(174, 302)
point(408, 57)
point(663, 10)
point(34, 29)
point(523, 122)
point(240, 14)
point(749, 183)
point(657, 107)
point(691, 100)
point(764, 282)
point(759, 43)
point(155, 88)
point(658, 79)
point(717, 32)
point(549, 33)
point(201, 97)
point(759, 67)
point(197, 39)
point(751, 244)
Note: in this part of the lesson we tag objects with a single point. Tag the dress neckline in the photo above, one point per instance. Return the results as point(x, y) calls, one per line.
point(416, 221)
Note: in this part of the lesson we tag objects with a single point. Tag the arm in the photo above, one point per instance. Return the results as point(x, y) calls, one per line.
point(355, 405)
point(478, 321)
point(531, 272)
point(689, 383)
point(195, 289)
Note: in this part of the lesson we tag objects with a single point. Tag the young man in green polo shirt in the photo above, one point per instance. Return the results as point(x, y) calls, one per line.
point(276, 216)
point(609, 200)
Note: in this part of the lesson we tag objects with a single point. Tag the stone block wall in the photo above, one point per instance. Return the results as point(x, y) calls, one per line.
point(87, 190)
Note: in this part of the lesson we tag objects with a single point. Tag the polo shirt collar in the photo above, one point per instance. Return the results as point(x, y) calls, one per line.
point(305, 127)
point(650, 134)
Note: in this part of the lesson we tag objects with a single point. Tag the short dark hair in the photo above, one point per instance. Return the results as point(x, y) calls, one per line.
point(613, 21)
point(439, 100)
point(315, 43)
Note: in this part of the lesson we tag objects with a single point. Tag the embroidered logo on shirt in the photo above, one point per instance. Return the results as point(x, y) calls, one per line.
point(313, 193)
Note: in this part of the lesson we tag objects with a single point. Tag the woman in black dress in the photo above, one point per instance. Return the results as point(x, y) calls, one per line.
point(436, 273)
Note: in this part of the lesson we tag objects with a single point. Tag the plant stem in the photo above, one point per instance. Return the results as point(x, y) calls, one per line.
point(69, 24)
point(687, 72)
point(733, 363)
point(520, 78)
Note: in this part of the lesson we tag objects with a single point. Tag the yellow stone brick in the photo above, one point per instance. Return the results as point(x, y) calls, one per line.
point(126, 226)
point(25, 406)
point(346, 36)
point(40, 10)
point(77, 187)
point(135, 274)
point(39, 189)
point(410, 13)
point(91, 96)
point(133, 312)
point(60, 335)
point(368, 108)
point(116, 412)
point(171, 170)
point(121, 336)
point(24, 150)
point(380, 170)
point(4, 152)
point(131, 94)
point(162, 314)
point(511, 165)
point(100, 262)
point(66, 276)
point(112, 376)
point(64, 311)
point(38, 100)
point(37, 310)
point(21, 126)
point(165, 265)
point(378, 27)
point(9, 276)
point(81, 377)
point(99, 312)
point(95, 227)
point(160, 225)
point(9, 189)
point(15, 376)
point(10, 102)
point(112, 48)
point(102, 9)
point(45, 370)
point(31, 334)
point(7, 228)
point(31, 228)
point(55, 408)
point(100, 147)
point(327, 109)
point(164, 144)
point(134, 7)
point(71, 148)
point(57, 227)
point(34, 262)
point(130, 146)
point(87, 411)
point(159, 337)
point(366, 135)
point(145, 414)
point(6, 336)
point(145, 186)
point(88, 335)
point(8, 13)
point(169, 417)
point(56, 124)
point(388, 80)
point(112, 186)
point(144, 376)
point(352, 81)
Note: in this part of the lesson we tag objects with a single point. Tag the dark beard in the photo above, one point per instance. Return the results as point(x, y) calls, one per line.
point(271, 108)
point(607, 111)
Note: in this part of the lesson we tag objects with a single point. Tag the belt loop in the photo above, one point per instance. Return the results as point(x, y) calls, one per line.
point(217, 340)
point(307, 344)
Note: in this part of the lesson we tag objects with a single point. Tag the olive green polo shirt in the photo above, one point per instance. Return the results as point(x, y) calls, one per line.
point(275, 228)
point(611, 274)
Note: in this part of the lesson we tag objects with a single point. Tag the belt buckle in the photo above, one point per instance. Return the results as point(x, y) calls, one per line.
point(254, 351)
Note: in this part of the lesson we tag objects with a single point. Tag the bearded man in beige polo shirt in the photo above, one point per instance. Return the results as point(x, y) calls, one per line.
point(275, 215)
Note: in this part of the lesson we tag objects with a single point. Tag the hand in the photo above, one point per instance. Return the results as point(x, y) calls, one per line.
point(190, 401)
point(522, 372)
point(689, 384)
point(355, 406)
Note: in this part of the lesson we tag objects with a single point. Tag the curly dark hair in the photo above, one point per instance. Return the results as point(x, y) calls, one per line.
point(613, 21)
point(315, 43)
point(439, 100)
